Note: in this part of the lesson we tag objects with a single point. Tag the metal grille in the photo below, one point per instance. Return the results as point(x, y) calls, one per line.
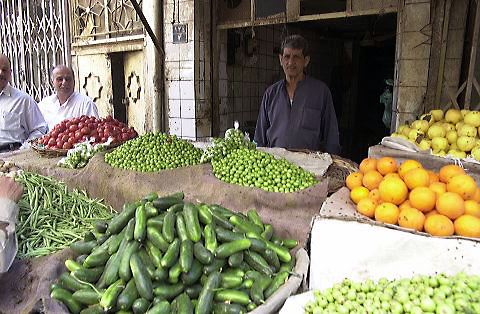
point(34, 35)
point(104, 19)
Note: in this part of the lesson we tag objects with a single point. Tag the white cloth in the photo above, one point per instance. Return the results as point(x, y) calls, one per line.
point(8, 240)
point(75, 106)
point(20, 118)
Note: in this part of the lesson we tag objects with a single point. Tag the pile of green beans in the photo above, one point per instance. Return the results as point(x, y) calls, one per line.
point(51, 217)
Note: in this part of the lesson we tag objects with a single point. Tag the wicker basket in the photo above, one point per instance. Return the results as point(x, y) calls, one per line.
point(338, 172)
point(53, 153)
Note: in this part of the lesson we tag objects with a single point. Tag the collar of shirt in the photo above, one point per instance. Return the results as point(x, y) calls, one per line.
point(65, 104)
point(7, 91)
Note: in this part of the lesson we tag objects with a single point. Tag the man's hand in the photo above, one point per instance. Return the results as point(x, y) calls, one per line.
point(10, 189)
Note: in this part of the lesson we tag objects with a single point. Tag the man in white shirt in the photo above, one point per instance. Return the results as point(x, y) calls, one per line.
point(20, 118)
point(65, 103)
point(10, 194)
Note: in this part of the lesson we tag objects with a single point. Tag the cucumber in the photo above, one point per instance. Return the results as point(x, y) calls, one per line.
point(225, 308)
point(156, 221)
point(65, 297)
point(192, 223)
point(253, 216)
point(127, 296)
point(109, 297)
point(129, 229)
point(140, 223)
point(193, 274)
point(98, 257)
point(271, 258)
point(120, 221)
point(268, 232)
point(150, 197)
point(224, 235)
point(70, 283)
point(245, 225)
point(227, 249)
point(171, 255)
point(276, 283)
point(186, 255)
point(168, 291)
point(101, 226)
point(90, 275)
point(110, 274)
point(210, 238)
point(146, 261)
point(193, 291)
point(140, 306)
point(205, 299)
point(220, 220)
point(174, 273)
point(202, 254)
point(163, 307)
point(150, 210)
point(82, 247)
point(154, 253)
point(225, 212)
point(175, 208)
point(184, 304)
point(231, 281)
point(164, 203)
point(232, 296)
point(204, 214)
point(181, 228)
point(114, 244)
point(142, 279)
point(236, 259)
point(89, 236)
point(157, 239)
point(289, 243)
point(160, 274)
point(257, 262)
point(168, 228)
point(81, 259)
point(72, 265)
point(124, 268)
point(86, 296)
point(258, 245)
point(93, 309)
point(258, 287)
point(282, 252)
point(215, 266)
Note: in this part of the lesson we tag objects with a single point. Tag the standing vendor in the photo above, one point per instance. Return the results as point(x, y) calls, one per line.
point(297, 112)
point(20, 118)
point(65, 103)
point(10, 194)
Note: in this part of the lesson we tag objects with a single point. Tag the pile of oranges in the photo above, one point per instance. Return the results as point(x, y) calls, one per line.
point(441, 204)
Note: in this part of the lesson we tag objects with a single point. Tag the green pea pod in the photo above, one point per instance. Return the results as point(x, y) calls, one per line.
point(65, 297)
point(171, 255)
point(109, 297)
point(181, 228)
point(210, 238)
point(192, 223)
point(168, 228)
point(186, 255)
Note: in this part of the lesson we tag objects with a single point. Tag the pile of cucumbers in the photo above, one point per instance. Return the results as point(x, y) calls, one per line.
point(165, 255)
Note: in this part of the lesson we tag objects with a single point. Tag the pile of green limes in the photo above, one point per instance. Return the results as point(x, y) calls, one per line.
point(154, 152)
point(234, 139)
point(250, 167)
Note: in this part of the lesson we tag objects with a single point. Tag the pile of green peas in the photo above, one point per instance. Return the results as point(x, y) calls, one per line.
point(234, 139)
point(439, 294)
point(253, 168)
point(154, 152)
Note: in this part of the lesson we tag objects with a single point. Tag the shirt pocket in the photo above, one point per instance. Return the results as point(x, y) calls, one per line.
point(311, 119)
point(9, 121)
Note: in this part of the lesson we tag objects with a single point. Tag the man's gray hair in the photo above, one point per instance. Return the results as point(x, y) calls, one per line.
point(295, 42)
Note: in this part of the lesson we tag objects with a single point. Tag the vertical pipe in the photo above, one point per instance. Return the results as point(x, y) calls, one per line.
point(65, 11)
point(398, 49)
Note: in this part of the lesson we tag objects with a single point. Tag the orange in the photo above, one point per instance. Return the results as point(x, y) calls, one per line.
point(375, 195)
point(387, 213)
point(392, 175)
point(464, 185)
point(476, 197)
point(386, 165)
point(433, 176)
point(408, 165)
point(438, 187)
point(411, 218)
point(358, 193)
point(432, 212)
point(451, 205)
point(371, 179)
point(472, 208)
point(366, 207)
point(393, 190)
point(439, 225)
point(416, 177)
point(467, 226)
point(404, 205)
point(368, 164)
point(423, 199)
point(353, 180)
point(449, 171)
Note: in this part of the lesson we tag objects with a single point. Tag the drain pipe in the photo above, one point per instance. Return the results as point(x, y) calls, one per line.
point(152, 20)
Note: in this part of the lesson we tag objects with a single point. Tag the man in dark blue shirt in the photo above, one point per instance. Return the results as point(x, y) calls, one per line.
point(297, 112)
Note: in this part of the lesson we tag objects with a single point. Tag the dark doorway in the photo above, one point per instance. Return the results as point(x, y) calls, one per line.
point(118, 87)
